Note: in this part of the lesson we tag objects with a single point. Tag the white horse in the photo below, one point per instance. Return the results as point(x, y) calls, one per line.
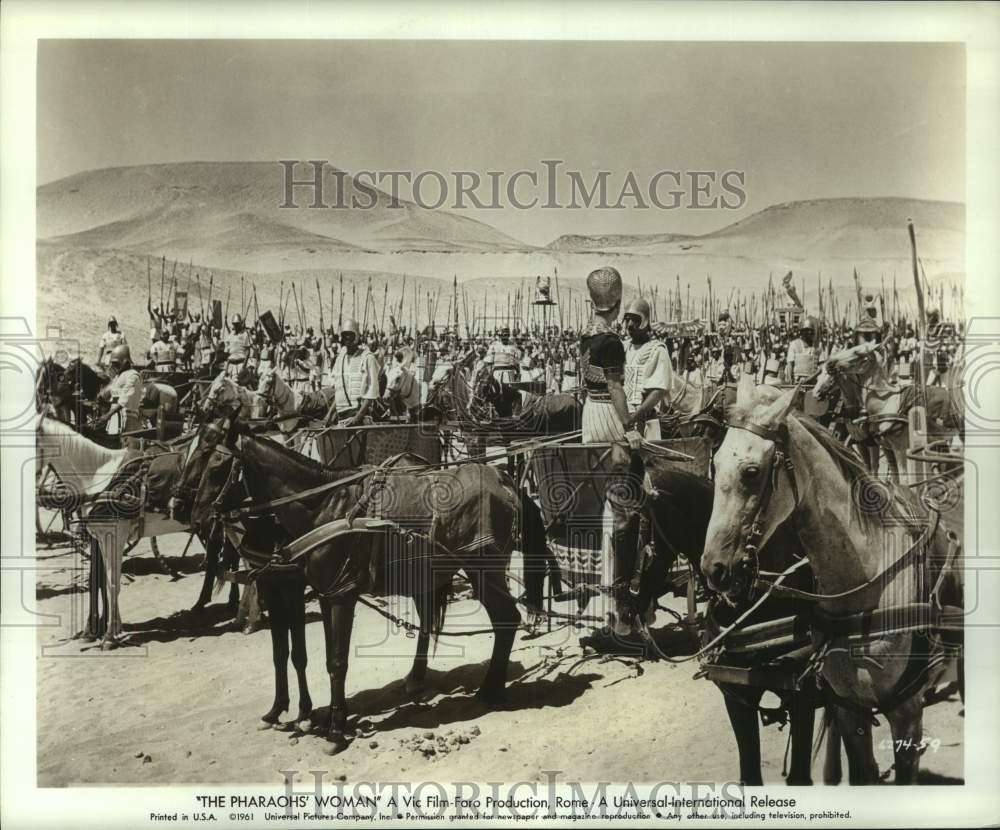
point(86, 470)
point(226, 393)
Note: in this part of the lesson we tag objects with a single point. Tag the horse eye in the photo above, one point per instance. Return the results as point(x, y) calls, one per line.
point(750, 472)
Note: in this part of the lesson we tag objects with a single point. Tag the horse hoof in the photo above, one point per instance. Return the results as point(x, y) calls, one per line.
point(274, 714)
point(335, 745)
point(492, 697)
point(622, 629)
point(304, 724)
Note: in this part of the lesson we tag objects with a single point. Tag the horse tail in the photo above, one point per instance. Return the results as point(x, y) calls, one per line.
point(442, 597)
point(535, 554)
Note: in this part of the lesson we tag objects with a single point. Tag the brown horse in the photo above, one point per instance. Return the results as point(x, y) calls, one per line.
point(436, 523)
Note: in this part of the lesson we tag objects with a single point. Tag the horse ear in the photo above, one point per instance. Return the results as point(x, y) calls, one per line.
point(745, 390)
point(777, 411)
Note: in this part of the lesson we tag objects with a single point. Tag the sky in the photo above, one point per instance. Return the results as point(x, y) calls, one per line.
point(801, 121)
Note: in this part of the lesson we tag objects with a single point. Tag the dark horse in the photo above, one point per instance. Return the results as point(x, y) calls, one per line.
point(436, 524)
point(679, 510)
point(538, 414)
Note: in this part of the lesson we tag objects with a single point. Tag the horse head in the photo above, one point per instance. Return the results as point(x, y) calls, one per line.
point(205, 470)
point(749, 502)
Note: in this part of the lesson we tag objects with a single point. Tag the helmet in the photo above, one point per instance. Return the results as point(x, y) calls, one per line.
point(350, 325)
point(120, 354)
point(505, 331)
point(236, 319)
point(866, 326)
point(605, 287)
point(639, 308)
point(807, 324)
point(112, 319)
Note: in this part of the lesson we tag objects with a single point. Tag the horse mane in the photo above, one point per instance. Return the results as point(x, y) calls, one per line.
point(866, 504)
point(301, 464)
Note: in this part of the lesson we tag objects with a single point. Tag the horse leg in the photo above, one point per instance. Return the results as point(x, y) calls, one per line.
point(742, 713)
point(802, 716)
point(338, 621)
point(856, 732)
point(95, 587)
point(418, 671)
point(279, 647)
point(211, 566)
point(115, 535)
point(504, 617)
point(296, 601)
point(833, 771)
point(906, 722)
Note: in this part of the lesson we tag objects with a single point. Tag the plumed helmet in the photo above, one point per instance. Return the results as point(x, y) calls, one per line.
point(349, 325)
point(605, 287)
point(120, 354)
point(808, 324)
point(639, 307)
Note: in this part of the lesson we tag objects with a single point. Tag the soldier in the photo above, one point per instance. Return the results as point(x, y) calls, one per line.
point(162, 354)
point(237, 347)
point(355, 379)
point(109, 340)
point(125, 390)
point(505, 357)
point(800, 360)
point(648, 372)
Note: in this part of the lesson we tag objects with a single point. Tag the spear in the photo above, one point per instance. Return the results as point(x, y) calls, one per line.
point(711, 316)
point(368, 293)
point(559, 298)
point(225, 316)
point(340, 308)
point(149, 285)
point(921, 311)
point(201, 297)
point(385, 305)
point(298, 310)
point(211, 285)
point(256, 308)
point(173, 285)
point(242, 296)
point(319, 298)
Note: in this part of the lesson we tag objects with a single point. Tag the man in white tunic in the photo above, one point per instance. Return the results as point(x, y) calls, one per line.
point(648, 372)
point(355, 379)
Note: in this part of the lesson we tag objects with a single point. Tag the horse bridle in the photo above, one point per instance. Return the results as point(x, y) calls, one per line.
point(781, 459)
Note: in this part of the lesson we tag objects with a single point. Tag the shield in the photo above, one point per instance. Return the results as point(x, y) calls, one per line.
point(274, 331)
point(217, 314)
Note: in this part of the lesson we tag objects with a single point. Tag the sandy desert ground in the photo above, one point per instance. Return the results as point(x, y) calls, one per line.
point(184, 704)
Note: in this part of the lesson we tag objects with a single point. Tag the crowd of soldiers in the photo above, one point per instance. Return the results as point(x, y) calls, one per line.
point(362, 364)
